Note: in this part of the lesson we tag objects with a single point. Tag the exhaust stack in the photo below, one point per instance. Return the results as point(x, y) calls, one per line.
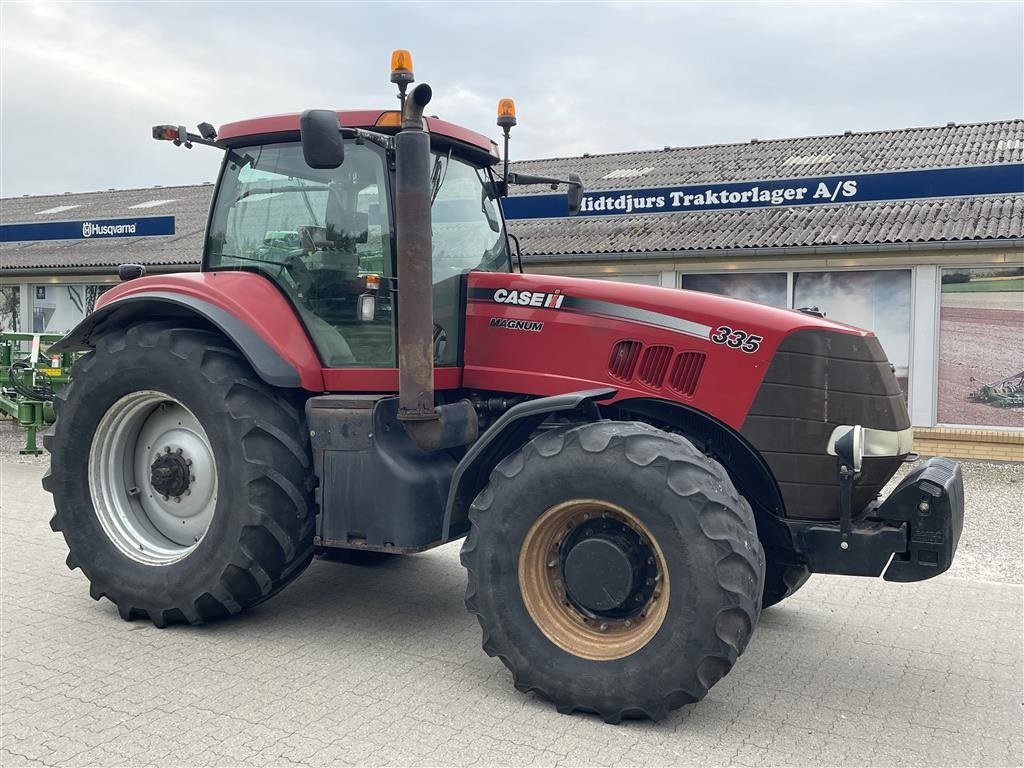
point(430, 428)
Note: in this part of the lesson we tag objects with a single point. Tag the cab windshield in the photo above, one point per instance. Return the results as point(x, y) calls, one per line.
point(326, 238)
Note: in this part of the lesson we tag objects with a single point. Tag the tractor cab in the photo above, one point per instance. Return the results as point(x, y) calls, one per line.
point(326, 237)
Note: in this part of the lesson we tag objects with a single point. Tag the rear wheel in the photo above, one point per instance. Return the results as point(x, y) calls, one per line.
point(182, 483)
point(614, 569)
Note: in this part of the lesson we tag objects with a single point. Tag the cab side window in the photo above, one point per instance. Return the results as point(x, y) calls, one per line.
point(323, 236)
point(468, 234)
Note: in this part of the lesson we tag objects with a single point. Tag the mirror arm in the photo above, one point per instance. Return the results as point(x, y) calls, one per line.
point(519, 252)
point(380, 139)
point(522, 178)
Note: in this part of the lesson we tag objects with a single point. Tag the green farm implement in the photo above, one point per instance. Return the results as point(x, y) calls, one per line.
point(29, 378)
point(1007, 393)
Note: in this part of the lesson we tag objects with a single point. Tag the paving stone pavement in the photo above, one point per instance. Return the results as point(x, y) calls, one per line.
point(382, 666)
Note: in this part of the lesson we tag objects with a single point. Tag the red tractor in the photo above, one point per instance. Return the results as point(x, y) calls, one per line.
point(358, 372)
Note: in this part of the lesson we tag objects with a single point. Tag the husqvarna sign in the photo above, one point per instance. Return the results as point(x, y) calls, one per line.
point(89, 229)
point(825, 190)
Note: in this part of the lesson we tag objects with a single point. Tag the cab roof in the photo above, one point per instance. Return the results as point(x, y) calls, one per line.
point(281, 127)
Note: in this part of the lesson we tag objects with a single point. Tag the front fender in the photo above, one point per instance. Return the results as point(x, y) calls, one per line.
point(507, 434)
point(247, 308)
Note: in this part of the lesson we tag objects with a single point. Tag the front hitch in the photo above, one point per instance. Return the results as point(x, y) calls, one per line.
point(914, 532)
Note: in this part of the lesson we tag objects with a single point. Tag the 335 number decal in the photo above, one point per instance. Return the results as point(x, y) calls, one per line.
point(737, 339)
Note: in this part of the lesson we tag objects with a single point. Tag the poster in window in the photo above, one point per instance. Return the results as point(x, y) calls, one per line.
point(877, 300)
point(762, 287)
point(981, 354)
point(10, 307)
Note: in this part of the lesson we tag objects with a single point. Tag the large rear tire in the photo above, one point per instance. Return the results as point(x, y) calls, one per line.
point(613, 569)
point(182, 483)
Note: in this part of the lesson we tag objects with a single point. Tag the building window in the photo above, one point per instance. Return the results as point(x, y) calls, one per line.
point(876, 300)
point(10, 308)
point(59, 308)
point(762, 287)
point(981, 357)
point(635, 279)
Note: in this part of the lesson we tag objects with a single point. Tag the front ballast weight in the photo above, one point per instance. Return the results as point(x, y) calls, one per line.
point(911, 536)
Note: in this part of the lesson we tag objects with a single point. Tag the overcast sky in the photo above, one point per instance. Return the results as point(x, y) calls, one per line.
point(83, 82)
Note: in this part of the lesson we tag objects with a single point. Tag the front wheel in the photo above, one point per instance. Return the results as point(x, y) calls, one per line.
point(182, 483)
point(614, 569)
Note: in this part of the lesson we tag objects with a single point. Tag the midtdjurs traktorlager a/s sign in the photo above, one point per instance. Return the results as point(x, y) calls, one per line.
point(772, 193)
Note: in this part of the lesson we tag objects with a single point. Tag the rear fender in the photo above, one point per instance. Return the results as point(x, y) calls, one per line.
point(248, 309)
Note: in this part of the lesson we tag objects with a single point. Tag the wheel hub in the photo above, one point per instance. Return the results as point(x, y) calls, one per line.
point(152, 477)
point(593, 579)
point(170, 474)
point(604, 568)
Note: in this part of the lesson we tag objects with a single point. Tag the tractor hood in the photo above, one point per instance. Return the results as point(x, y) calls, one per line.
point(697, 348)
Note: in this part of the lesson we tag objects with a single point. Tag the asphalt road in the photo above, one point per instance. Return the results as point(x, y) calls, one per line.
point(382, 666)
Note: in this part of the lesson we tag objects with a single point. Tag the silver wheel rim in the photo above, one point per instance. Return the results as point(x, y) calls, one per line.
point(152, 478)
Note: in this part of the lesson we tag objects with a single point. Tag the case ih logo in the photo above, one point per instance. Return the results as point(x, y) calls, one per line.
point(529, 298)
point(106, 230)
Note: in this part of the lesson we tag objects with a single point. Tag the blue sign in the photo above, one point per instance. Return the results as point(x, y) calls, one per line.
point(90, 229)
point(825, 190)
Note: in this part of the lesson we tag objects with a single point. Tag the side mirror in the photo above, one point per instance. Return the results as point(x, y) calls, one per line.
point(488, 204)
point(574, 194)
point(366, 307)
point(130, 271)
point(322, 145)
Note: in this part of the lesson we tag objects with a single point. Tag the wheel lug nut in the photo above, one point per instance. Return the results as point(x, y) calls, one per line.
point(628, 623)
point(177, 499)
point(188, 491)
point(552, 563)
point(604, 626)
point(188, 462)
point(166, 497)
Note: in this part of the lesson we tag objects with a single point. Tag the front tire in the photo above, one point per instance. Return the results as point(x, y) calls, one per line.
point(781, 581)
point(182, 483)
point(659, 602)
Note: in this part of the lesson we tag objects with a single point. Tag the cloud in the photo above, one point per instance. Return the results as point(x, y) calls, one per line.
point(80, 84)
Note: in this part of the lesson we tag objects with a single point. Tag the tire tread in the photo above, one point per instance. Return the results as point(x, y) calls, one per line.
point(723, 512)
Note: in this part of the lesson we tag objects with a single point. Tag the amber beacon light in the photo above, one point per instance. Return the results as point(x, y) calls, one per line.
point(506, 113)
point(401, 67)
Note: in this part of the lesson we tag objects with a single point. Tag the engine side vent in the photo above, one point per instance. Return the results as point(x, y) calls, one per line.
point(686, 372)
point(623, 360)
point(654, 364)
